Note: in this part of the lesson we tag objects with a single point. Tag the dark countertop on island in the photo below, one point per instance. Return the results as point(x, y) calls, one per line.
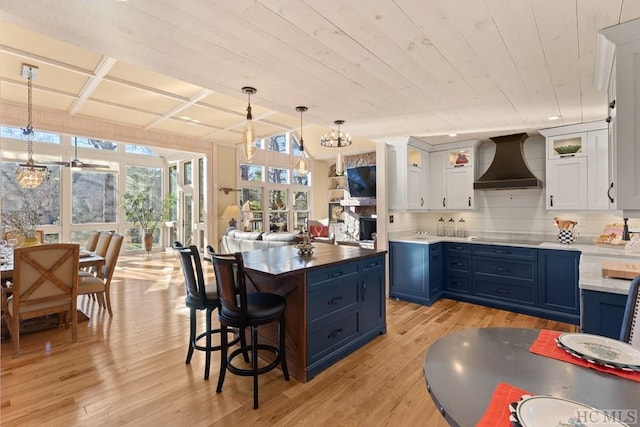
point(287, 260)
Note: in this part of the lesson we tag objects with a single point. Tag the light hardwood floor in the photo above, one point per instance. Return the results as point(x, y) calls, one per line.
point(130, 369)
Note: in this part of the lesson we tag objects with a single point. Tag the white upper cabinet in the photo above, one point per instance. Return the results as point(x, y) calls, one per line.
point(451, 176)
point(577, 167)
point(618, 72)
point(407, 170)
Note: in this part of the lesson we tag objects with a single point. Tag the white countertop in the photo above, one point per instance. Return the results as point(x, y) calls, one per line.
point(591, 258)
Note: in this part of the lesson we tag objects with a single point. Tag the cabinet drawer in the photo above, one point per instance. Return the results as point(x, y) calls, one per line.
point(330, 333)
point(511, 252)
point(323, 275)
point(324, 300)
point(370, 263)
point(512, 292)
point(458, 248)
point(505, 268)
point(460, 263)
point(458, 284)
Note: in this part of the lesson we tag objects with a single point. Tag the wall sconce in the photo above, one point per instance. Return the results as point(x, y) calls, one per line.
point(227, 190)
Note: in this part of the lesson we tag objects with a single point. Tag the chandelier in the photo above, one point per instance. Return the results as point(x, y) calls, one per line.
point(337, 139)
point(29, 174)
point(301, 164)
point(249, 135)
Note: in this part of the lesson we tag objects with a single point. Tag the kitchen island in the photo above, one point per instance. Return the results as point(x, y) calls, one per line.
point(335, 301)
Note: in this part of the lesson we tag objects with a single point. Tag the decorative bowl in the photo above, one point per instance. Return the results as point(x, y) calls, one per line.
point(567, 149)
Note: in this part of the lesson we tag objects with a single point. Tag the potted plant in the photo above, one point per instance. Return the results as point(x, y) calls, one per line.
point(147, 212)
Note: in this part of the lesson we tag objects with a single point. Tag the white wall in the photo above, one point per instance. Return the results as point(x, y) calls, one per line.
point(511, 211)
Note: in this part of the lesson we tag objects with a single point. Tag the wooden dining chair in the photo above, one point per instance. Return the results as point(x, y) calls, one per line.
point(92, 241)
point(99, 284)
point(45, 281)
point(102, 244)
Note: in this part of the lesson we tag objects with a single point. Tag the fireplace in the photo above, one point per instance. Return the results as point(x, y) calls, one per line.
point(367, 227)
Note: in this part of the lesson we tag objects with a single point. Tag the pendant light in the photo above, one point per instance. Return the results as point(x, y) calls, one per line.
point(249, 135)
point(29, 174)
point(301, 165)
point(337, 139)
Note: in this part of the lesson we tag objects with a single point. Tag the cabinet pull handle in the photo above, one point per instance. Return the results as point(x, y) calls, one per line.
point(469, 201)
point(334, 333)
point(435, 256)
point(612, 104)
point(336, 274)
point(364, 290)
point(501, 252)
point(609, 193)
point(501, 269)
point(334, 300)
point(421, 201)
point(458, 166)
point(444, 205)
point(566, 155)
point(551, 200)
point(373, 264)
point(502, 291)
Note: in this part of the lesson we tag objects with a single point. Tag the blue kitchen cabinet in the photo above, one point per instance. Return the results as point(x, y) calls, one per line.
point(559, 294)
point(602, 313)
point(457, 270)
point(415, 272)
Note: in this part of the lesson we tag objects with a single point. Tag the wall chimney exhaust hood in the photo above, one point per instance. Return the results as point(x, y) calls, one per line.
point(509, 169)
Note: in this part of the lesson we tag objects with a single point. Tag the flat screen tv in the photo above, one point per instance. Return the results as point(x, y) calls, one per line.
point(361, 182)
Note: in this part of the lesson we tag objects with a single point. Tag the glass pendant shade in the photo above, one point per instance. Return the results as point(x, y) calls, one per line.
point(31, 176)
point(339, 164)
point(248, 141)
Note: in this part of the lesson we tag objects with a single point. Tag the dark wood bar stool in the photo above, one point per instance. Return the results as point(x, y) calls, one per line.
point(200, 296)
point(242, 310)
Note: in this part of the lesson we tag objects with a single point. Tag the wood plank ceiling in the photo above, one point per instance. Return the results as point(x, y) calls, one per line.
point(425, 68)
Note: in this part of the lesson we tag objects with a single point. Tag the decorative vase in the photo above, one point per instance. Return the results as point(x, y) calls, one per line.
point(148, 242)
point(30, 241)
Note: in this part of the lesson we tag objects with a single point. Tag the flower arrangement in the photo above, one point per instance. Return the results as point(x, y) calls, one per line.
point(23, 222)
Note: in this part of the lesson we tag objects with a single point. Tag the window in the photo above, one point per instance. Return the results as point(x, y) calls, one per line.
point(201, 207)
point(287, 195)
point(95, 197)
point(140, 149)
point(45, 197)
point(38, 136)
point(187, 171)
point(97, 144)
point(142, 179)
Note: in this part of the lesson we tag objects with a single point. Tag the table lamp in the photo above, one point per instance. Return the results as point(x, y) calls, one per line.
point(232, 212)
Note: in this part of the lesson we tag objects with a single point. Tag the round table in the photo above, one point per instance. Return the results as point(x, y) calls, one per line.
point(462, 370)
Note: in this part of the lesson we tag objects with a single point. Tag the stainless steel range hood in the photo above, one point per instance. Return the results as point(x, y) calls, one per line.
point(509, 169)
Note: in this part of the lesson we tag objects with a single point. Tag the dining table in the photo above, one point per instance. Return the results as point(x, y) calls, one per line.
point(463, 369)
point(87, 260)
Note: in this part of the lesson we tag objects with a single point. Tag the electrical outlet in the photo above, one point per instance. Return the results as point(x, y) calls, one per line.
point(390, 219)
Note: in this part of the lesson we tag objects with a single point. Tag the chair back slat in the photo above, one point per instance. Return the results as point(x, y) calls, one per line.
point(231, 282)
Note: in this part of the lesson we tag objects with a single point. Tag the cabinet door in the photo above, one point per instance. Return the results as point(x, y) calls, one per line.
point(558, 281)
point(415, 192)
point(567, 183)
point(598, 170)
point(602, 313)
point(437, 179)
point(436, 263)
point(460, 188)
point(408, 278)
point(372, 303)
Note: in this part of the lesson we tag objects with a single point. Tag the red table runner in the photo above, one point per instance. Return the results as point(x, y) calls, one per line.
point(497, 414)
point(545, 345)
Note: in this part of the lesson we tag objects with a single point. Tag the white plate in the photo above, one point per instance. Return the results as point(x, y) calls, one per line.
point(544, 411)
point(601, 349)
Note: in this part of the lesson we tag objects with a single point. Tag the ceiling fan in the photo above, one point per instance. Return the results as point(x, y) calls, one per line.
point(77, 163)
